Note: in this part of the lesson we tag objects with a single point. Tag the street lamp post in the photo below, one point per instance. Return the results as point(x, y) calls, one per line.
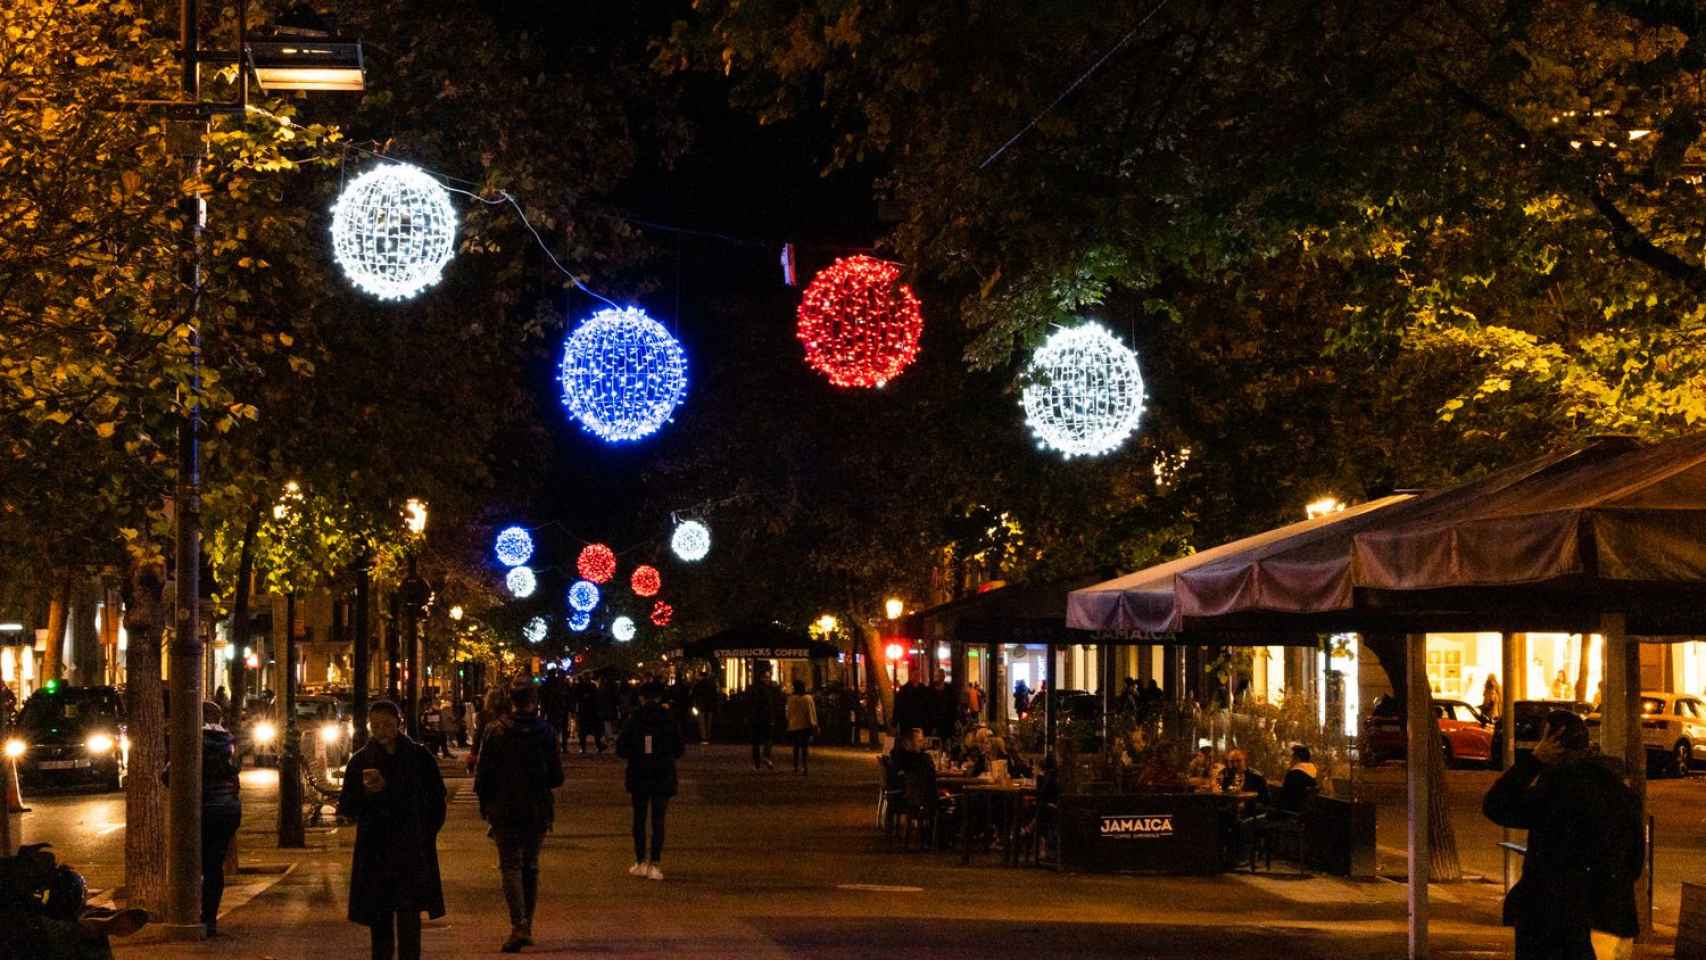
point(363, 648)
point(290, 833)
point(415, 593)
point(187, 139)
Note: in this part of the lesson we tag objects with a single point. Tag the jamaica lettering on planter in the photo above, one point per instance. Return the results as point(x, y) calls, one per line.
point(1137, 828)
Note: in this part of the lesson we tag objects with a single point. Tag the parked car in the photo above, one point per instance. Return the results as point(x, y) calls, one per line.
point(70, 735)
point(1465, 735)
point(1673, 729)
point(325, 716)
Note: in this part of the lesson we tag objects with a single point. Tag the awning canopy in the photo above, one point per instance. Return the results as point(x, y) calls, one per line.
point(762, 641)
point(1552, 543)
point(1017, 613)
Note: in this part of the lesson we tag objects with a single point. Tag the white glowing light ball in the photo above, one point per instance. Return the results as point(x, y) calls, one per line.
point(521, 582)
point(691, 540)
point(393, 230)
point(514, 547)
point(535, 630)
point(1083, 392)
point(622, 628)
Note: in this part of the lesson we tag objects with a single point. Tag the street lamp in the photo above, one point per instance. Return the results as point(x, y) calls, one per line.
point(186, 139)
point(1323, 506)
point(827, 623)
point(456, 613)
point(416, 593)
point(415, 516)
point(894, 607)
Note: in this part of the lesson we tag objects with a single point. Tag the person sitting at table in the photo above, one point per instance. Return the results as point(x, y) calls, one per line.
point(1017, 767)
point(906, 755)
point(1133, 747)
point(1300, 781)
point(1204, 766)
point(1239, 778)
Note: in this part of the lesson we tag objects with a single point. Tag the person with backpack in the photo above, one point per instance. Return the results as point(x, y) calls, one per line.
point(519, 768)
point(651, 743)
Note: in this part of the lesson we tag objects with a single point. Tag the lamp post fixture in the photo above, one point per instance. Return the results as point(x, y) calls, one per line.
point(186, 139)
point(894, 607)
point(416, 592)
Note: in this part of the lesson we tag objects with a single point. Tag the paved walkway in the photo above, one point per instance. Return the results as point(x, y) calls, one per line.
point(774, 865)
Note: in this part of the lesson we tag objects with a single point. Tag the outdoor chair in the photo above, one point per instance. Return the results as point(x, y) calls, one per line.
point(1287, 830)
point(891, 797)
point(926, 808)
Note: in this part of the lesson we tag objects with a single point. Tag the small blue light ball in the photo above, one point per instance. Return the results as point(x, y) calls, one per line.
point(579, 621)
point(514, 547)
point(583, 595)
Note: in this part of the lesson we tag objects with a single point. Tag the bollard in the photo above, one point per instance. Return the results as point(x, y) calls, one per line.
point(12, 820)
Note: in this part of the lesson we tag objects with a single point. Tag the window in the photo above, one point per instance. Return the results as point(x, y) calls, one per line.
point(1689, 709)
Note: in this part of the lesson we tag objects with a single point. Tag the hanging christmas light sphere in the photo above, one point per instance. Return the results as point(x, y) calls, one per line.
point(596, 562)
point(646, 581)
point(622, 628)
point(661, 613)
point(579, 620)
point(859, 324)
point(623, 374)
point(514, 547)
point(1083, 393)
point(393, 230)
point(535, 630)
point(583, 596)
point(691, 540)
point(521, 582)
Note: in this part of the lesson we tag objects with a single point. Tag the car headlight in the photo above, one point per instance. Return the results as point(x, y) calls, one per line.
point(265, 732)
point(329, 733)
point(15, 748)
point(99, 743)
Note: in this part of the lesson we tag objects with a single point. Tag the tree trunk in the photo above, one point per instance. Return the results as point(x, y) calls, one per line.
point(881, 683)
point(58, 614)
point(240, 615)
point(144, 794)
point(1444, 865)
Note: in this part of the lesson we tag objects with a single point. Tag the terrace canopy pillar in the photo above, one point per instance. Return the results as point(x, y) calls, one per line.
point(1419, 727)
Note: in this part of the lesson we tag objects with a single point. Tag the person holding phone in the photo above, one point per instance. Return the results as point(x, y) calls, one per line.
point(395, 794)
point(1586, 849)
point(651, 743)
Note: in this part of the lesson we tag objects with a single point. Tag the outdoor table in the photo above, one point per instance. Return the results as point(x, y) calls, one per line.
point(988, 792)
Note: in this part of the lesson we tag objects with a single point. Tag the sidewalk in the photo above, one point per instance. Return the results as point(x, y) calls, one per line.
point(774, 865)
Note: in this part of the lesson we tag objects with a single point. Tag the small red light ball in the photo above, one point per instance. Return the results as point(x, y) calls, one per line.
point(661, 612)
point(646, 581)
point(597, 563)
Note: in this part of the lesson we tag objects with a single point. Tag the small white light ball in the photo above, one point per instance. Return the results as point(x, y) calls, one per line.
point(691, 541)
point(535, 630)
point(521, 582)
point(622, 628)
point(393, 230)
point(1083, 392)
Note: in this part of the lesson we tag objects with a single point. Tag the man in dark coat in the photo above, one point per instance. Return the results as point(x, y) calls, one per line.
point(1585, 844)
point(395, 794)
point(651, 743)
point(518, 770)
point(764, 698)
point(588, 720)
point(912, 708)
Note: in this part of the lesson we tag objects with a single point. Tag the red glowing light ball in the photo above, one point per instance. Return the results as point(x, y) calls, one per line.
point(646, 581)
point(859, 324)
point(661, 612)
point(597, 563)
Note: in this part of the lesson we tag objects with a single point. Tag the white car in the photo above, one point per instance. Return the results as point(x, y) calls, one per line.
point(1673, 729)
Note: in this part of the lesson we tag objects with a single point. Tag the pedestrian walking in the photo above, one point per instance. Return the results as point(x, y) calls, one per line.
point(518, 770)
point(651, 742)
point(706, 698)
point(221, 808)
point(494, 708)
point(1576, 898)
point(762, 697)
point(802, 725)
point(589, 716)
point(395, 794)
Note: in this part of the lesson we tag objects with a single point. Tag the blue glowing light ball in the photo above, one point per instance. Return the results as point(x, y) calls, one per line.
point(622, 628)
point(535, 630)
point(623, 374)
point(583, 595)
point(514, 547)
point(579, 621)
point(521, 582)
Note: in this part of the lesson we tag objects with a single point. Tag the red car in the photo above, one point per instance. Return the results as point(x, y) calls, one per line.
point(1465, 735)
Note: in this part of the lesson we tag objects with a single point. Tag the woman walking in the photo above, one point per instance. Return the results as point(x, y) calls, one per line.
point(651, 743)
point(394, 792)
point(802, 725)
